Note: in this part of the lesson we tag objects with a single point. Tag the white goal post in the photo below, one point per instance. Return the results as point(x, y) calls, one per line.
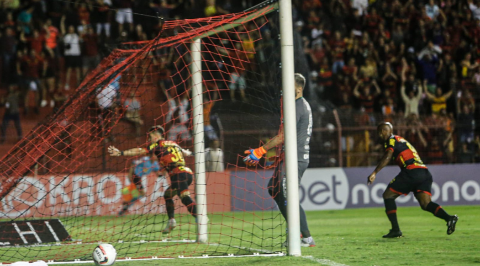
point(291, 163)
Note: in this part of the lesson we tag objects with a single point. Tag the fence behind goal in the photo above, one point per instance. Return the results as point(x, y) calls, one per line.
point(61, 192)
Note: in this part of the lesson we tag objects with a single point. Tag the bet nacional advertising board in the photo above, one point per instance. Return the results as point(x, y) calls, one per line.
point(340, 188)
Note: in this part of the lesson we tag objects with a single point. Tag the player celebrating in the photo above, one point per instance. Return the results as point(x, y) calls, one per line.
point(170, 155)
point(134, 191)
point(414, 177)
point(277, 184)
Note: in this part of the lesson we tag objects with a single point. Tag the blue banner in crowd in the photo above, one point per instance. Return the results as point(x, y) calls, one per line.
point(340, 188)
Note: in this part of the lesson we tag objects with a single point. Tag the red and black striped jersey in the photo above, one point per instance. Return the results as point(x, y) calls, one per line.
point(404, 154)
point(170, 156)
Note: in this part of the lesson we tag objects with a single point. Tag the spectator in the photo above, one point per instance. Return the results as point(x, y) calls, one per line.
point(124, 15)
point(73, 59)
point(25, 19)
point(83, 8)
point(48, 79)
point(475, 8)
point(465, 155)
point(213, 9)
point(29, 67)
point(36, 41)
point(237, 81)
point(361, 6)
point(411, 101)
point(467, 66)
point(435, 153)
point(439, 100)
point(178, 131)
point(139, 35)
point(106, 99)
point(207, 109)
point(337, 47)
point(90, 57)
point(398, 35)
point(350, 70)
point(214, 158)
point(465, 98)
point(12, 112)
point(466, 125)
point(367, 98)
point(429, 69)
point(8, 46)
point(325, 76)
point(432, 10)
point(388, 109)
point(51, 41)
point(132, 113)
point(476, 78)
point(101, 17)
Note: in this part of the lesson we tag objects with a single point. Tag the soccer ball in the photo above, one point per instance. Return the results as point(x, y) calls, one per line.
point(104, 254)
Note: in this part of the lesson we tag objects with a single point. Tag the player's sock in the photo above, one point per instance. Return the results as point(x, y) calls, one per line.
point(438, 211)
point(391, 210)
point(191, 206)
point(170, 208)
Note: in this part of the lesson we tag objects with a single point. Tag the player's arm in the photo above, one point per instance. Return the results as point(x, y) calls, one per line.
point(130, 152)
point(254, 155)
point(387, 156)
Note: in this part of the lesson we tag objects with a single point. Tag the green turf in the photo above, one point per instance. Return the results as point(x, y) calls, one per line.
point(351, 237)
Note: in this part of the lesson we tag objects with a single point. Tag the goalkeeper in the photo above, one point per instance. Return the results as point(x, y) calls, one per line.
point(133, 192)
point(277, 184)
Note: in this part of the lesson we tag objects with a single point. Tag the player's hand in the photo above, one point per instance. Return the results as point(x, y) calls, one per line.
point(114, 151)
point(253, 156)
point(187, 152)
point(371, 178)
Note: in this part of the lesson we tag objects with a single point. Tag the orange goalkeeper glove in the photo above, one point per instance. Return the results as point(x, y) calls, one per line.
point(253, 156)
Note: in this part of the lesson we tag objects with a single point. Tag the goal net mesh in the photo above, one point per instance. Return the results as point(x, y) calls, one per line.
point(61, 192)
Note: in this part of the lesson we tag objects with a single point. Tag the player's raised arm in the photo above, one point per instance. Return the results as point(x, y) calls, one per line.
point(130, 152)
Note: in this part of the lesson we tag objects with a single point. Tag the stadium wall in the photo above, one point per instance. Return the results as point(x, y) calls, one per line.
point(340, 188)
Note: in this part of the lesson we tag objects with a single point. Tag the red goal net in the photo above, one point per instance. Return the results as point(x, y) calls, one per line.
point(61, 192)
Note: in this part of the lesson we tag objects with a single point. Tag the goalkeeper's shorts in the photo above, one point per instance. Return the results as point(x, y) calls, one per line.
point(130, 193)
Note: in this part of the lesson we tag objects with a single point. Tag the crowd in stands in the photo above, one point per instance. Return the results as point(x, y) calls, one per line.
point(415, 63)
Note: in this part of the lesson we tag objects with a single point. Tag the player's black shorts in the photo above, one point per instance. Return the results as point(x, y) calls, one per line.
point(138, 182)
point(180, 182)
point(414, 180)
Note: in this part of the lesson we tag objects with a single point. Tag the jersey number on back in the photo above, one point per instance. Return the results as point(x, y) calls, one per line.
point(415, 153)
point(177, 155)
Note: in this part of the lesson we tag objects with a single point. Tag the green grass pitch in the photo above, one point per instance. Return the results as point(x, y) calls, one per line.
point(353, 237)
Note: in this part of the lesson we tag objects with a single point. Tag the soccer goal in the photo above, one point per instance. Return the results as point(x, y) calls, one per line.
point(215, 85)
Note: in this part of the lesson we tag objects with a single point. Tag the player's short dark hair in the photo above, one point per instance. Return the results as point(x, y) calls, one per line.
point(158, 129)
point(299, 80)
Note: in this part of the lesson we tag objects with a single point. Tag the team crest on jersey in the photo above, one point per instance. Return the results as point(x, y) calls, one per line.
point(392, 142)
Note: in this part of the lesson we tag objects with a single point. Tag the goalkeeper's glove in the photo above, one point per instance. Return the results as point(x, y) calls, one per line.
point(253, 156)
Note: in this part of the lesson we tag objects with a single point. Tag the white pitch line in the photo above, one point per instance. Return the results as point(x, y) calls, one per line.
point(324, 261)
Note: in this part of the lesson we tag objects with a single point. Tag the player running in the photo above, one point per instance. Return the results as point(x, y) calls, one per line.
point(133, 192)
point(414, 177)
point(170, 155)
point(277, 184)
